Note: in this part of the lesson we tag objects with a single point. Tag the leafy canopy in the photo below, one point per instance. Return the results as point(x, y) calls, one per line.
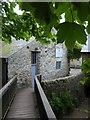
point(19, 26)
point(39, 18)
point(75, 53)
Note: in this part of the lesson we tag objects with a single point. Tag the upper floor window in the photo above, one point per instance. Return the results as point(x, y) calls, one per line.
point(59, 52)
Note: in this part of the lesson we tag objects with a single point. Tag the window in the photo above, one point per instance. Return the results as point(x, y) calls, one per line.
point(59, 52)
point(58, 64)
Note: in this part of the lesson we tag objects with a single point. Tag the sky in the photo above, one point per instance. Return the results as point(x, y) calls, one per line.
point(86, 48)
point(16, 10)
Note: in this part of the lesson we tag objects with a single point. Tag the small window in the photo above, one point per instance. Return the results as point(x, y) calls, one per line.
point(58, 64)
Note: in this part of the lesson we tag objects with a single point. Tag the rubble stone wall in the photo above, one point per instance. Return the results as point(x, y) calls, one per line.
point(65, 83)
point(20, 62)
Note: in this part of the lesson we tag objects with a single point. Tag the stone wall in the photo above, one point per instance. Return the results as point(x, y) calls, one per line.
point(48, 62)
point(74, 63)
point(20, 62)
point(70, 83)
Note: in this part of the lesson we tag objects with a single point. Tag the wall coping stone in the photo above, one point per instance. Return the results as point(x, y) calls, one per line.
point(62, 78)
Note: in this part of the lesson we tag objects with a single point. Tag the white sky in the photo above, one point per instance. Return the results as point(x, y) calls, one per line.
point(16, 10)
point(63, 18)
point(86, 48)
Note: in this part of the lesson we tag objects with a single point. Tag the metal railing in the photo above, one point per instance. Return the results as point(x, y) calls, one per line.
point(45, 110)
point(7, 94)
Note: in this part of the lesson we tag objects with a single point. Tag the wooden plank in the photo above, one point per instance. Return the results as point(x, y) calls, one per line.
point(24, 105)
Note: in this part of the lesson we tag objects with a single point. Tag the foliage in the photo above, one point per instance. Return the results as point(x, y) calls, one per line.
point(86, 66)
point(86, 70)
point(70, 32)
point(62, 103)
point(47, 15)
point(75, 53)
point(85, 81)
point(19, 26)
point(13, 24)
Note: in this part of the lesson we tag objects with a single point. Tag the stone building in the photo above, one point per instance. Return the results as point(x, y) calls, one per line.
point(76, 63)
point(86, 49)
point(29, 58)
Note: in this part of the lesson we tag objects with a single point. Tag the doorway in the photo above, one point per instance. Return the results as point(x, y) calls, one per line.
point(34, 65)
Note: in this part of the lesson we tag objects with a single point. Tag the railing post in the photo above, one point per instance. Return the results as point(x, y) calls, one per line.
point(39, 78)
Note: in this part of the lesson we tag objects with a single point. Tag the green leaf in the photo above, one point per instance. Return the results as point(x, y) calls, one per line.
point(40, 10)
point(75, 53)
point(25, 6)
point(82, 10)
point(61, 7)
point(88, 27)
point(70, 33)
point(12, 5)
point(70, 14)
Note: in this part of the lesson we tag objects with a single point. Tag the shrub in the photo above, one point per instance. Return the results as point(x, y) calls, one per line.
point(86, 70)
point(62, 103)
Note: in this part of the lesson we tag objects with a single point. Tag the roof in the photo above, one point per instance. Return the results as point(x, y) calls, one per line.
point(86, 48)
point(9, 49)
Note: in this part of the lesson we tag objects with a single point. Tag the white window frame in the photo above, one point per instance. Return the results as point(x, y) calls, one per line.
point(59, 52)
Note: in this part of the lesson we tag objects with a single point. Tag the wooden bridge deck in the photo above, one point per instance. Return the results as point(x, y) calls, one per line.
point(24, 105)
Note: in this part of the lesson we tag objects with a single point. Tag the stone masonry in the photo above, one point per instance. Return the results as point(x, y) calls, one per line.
point(70, 83)
point(20, 62)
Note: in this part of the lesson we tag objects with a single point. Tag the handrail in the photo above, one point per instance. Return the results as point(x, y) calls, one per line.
point(7, 93)
point(43, 101)
point(6, 87)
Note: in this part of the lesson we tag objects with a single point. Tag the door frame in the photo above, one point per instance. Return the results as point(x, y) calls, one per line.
point(34, 65)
